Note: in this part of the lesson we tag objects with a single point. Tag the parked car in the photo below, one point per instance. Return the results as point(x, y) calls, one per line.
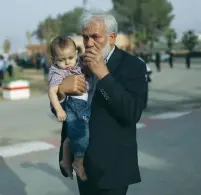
point(164, 57)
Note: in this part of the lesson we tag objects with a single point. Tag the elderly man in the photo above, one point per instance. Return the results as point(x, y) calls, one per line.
point(111, 161)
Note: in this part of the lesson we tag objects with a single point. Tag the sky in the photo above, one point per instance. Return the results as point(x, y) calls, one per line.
point(19, 16)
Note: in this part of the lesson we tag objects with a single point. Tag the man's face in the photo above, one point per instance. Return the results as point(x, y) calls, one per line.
point(95, 32)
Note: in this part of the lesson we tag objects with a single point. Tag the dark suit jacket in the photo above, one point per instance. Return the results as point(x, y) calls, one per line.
point(111, 157)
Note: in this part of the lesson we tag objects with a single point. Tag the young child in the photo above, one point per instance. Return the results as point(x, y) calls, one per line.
point(77, 108)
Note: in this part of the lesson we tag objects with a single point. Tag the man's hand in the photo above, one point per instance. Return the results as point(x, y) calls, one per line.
point(94, 59)
point(72, 85)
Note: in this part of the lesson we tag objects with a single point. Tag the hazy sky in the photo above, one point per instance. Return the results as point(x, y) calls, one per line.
point(19, 16)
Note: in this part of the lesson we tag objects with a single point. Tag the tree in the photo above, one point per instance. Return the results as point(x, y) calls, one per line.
point(48, 29)
point(149, 16)
point(65, 24)
point(69, 22)
point(29, 37)
point(170, 36)
point(189, 40)
point(39, 33)
point(6, 46)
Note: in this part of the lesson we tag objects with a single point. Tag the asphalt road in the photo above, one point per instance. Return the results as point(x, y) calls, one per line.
point(169, 150)
point(175, 89)
point(169, 158)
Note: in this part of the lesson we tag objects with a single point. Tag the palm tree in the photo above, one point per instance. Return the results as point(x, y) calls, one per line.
point(29, 37)
point(190, 40)
point(6, 46)
point(170, 36)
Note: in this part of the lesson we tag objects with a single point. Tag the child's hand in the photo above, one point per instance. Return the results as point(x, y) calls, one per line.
point(61, 115)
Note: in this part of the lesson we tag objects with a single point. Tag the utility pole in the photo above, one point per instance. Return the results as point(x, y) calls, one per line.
point(84, 4)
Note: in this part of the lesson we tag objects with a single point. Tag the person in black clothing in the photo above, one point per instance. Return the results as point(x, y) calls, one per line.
point(188, 61)
point(38, 61)
point(111, 160)
point(158, 61)
point(171, 59)
point(10, 64)
point(2, 69)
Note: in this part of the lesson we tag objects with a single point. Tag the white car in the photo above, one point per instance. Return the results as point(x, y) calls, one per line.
point(164, 57)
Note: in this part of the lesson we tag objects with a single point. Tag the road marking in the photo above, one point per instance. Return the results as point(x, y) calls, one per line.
point(140, 125)
point(24, 148)
point(169, 115)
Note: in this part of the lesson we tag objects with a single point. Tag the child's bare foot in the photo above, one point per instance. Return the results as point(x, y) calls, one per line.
point(68, 169)
point(79, 168)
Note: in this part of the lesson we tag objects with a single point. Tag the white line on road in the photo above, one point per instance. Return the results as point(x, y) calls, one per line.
point(169, 115)
point(24, 148)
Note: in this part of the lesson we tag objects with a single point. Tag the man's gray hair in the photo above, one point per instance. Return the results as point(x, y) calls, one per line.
point(109, 20)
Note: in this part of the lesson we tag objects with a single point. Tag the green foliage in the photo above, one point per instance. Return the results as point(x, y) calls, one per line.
point(69, 22)
point(140, 37)
point(65, 24)
point(190, 40)
point(148, 16)
point(144, 18)
point(48, 29)
point(6, 46)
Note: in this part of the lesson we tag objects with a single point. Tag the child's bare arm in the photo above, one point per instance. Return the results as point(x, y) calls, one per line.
point(52, 93)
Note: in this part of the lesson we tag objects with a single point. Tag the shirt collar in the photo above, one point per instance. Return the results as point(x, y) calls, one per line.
point(109, 55)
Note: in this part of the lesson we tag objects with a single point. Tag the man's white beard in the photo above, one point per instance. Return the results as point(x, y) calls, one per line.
point(106, 50)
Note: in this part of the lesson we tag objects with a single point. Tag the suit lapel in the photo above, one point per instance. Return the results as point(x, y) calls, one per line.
point(114, 60)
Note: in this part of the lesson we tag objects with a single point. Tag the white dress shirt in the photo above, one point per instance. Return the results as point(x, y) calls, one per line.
point(109, 55)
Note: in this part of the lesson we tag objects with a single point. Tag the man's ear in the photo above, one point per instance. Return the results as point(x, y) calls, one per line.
point(112, 38)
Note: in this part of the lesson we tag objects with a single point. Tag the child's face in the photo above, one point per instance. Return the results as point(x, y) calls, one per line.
point(66, 58)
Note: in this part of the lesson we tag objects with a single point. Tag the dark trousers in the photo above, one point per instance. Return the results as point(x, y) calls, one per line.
point(158, 66)
point(10, 70)
point(88, 188)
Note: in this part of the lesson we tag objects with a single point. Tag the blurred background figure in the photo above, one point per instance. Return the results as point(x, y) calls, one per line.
point(188, 60)
point(2, 69)
point(38, 61)
point(10, 65)
point(158, 61)
point(44, 65)
point(170, 59)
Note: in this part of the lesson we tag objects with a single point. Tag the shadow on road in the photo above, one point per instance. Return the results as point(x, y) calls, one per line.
point(10, 183)
point(45, 167)
point(169, 157)
point(177, 93)
point(157, 105)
